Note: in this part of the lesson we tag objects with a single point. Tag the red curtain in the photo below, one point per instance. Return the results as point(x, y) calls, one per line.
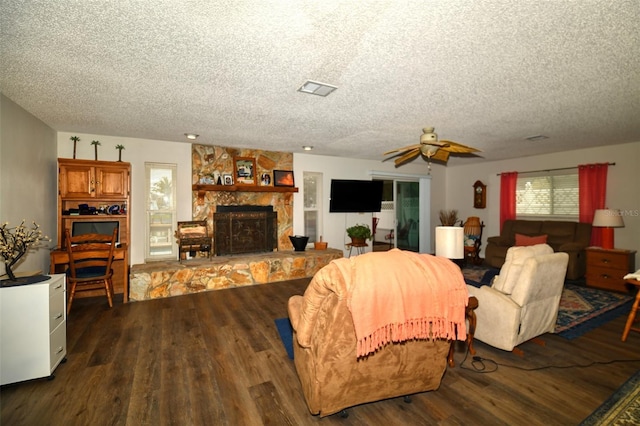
point(592, 184)
point(508, 183)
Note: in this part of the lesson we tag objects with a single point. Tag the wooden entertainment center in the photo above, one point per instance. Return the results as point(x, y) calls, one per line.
point(94, 193)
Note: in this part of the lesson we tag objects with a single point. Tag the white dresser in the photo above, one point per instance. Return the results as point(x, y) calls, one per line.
point(33, 329)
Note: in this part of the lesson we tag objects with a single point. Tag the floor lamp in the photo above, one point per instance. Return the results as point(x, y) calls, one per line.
point(607, 219)
point(450, 242)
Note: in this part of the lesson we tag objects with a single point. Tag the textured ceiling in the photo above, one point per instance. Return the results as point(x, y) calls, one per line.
point(484, 73)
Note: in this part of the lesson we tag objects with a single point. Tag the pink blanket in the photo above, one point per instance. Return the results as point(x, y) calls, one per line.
point(400, 295)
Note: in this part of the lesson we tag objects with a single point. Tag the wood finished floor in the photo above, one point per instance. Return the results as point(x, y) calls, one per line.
point(215, 358)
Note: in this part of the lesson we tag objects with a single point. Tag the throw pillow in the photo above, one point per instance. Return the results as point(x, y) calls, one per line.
point(525, 240)
point(509, 275)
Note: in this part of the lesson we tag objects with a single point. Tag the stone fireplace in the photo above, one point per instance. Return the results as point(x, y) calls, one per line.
point(242, 229)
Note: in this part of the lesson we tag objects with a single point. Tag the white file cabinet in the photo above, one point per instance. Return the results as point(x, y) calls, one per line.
point(33, 329)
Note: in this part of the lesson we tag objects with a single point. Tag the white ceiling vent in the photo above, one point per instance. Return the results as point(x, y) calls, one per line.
point(315, 88)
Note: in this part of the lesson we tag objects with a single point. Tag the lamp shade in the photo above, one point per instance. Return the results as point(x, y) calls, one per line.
point(472, 226)
point(608, 218)
point(450, 242)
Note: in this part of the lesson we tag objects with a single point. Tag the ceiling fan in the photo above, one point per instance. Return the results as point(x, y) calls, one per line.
point(431, 148)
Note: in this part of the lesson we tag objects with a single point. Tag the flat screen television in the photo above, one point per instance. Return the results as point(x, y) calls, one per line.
point(105, 227)
point(355, 196)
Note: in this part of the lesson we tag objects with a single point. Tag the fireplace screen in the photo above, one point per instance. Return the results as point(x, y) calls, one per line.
point(245, 229)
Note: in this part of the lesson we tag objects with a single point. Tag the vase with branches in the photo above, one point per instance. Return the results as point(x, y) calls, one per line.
point(119, 148)
point(16, 242)
point(75, 140)
point(448, 217)
point(95, 147)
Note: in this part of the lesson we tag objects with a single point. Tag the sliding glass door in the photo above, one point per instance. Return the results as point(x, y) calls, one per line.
point(407, 196)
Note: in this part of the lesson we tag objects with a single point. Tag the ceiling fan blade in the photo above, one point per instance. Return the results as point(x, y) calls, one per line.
point(458, 147)
point(441, 144)
point(406, 148)
point(407, 156)
point(441, 155)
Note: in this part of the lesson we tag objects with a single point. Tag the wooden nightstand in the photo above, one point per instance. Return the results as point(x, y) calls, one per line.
point(606, 268)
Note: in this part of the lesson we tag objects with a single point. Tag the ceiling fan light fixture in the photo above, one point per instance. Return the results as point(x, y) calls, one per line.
point(316, 88)
point(535, 138)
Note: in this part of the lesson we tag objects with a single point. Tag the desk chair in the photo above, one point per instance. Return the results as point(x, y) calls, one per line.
point(90, 257)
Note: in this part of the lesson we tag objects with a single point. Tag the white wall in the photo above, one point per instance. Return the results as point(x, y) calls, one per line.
point(28, 165)
point(623, 186)
point(137, 152)
point(335, 224)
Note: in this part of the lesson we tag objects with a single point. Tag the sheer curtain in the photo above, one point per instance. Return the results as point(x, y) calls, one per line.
point(592, 182)
point(508, 181)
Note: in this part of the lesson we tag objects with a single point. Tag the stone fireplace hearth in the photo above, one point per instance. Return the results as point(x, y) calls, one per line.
point(161, 279)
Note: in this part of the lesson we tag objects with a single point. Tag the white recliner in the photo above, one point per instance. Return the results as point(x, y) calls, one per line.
point(523, 300)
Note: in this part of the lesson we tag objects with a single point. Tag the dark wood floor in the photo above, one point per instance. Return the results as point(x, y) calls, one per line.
point(216, 358)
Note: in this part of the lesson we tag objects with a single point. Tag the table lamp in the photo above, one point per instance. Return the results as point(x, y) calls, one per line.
point(607, 219)
point(450, 242)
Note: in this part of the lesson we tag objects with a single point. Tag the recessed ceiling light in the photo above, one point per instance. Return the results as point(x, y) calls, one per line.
point(315, 88)
point(191, 136)
point(537, 138)
point(307, 147)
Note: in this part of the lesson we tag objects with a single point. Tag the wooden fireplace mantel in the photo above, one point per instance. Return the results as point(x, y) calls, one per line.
point(202, 189)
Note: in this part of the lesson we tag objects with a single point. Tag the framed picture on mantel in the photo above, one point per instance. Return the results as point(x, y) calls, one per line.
point(283, 178)
point(244, 169)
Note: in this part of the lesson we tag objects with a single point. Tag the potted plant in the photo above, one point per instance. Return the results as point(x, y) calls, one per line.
point(359, 233)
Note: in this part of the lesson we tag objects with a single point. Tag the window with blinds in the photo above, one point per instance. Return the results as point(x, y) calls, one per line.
point(547, 195)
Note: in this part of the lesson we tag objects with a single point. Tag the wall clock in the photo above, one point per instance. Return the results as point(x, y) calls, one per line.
point(479, 195)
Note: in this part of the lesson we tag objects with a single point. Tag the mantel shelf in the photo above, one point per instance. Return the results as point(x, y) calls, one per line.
point(202, 189)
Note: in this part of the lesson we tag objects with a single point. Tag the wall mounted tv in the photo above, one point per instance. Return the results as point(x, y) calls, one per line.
point(105, 227)
point(355, 196)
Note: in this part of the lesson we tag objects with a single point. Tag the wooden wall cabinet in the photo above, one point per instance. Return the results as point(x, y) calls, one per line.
point(98, 184)
point(606, 268)
point(93, 179)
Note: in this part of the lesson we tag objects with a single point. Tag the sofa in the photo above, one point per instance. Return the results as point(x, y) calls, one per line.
point(522, 302)
point(336, 368)
point(568, 237)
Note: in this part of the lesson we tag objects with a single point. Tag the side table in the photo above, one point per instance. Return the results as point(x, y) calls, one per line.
point(607, 267)
point(359, 247)
point(471, 316)
point(634, 310)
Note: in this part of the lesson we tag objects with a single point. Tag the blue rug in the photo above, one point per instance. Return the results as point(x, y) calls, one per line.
point(621, 408)
point(581, 308)
point(286, 334)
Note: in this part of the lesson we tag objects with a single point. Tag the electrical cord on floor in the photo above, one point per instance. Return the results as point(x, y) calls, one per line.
point(486, 365)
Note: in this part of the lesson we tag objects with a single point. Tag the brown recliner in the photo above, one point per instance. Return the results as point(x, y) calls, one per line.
point(324, 343)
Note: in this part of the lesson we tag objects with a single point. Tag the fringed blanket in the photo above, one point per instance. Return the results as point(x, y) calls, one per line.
point(399, 295)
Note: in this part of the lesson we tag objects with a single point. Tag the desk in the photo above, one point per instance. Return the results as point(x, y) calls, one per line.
point(59, 258)
point(634, 309)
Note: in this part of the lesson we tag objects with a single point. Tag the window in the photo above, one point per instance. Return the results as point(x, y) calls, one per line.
point(547, 195)
point(161, 211)
point(312, 190)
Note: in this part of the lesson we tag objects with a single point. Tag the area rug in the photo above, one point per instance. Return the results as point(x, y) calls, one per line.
point(581, 308)
point(286, 334)
point(622, 408)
